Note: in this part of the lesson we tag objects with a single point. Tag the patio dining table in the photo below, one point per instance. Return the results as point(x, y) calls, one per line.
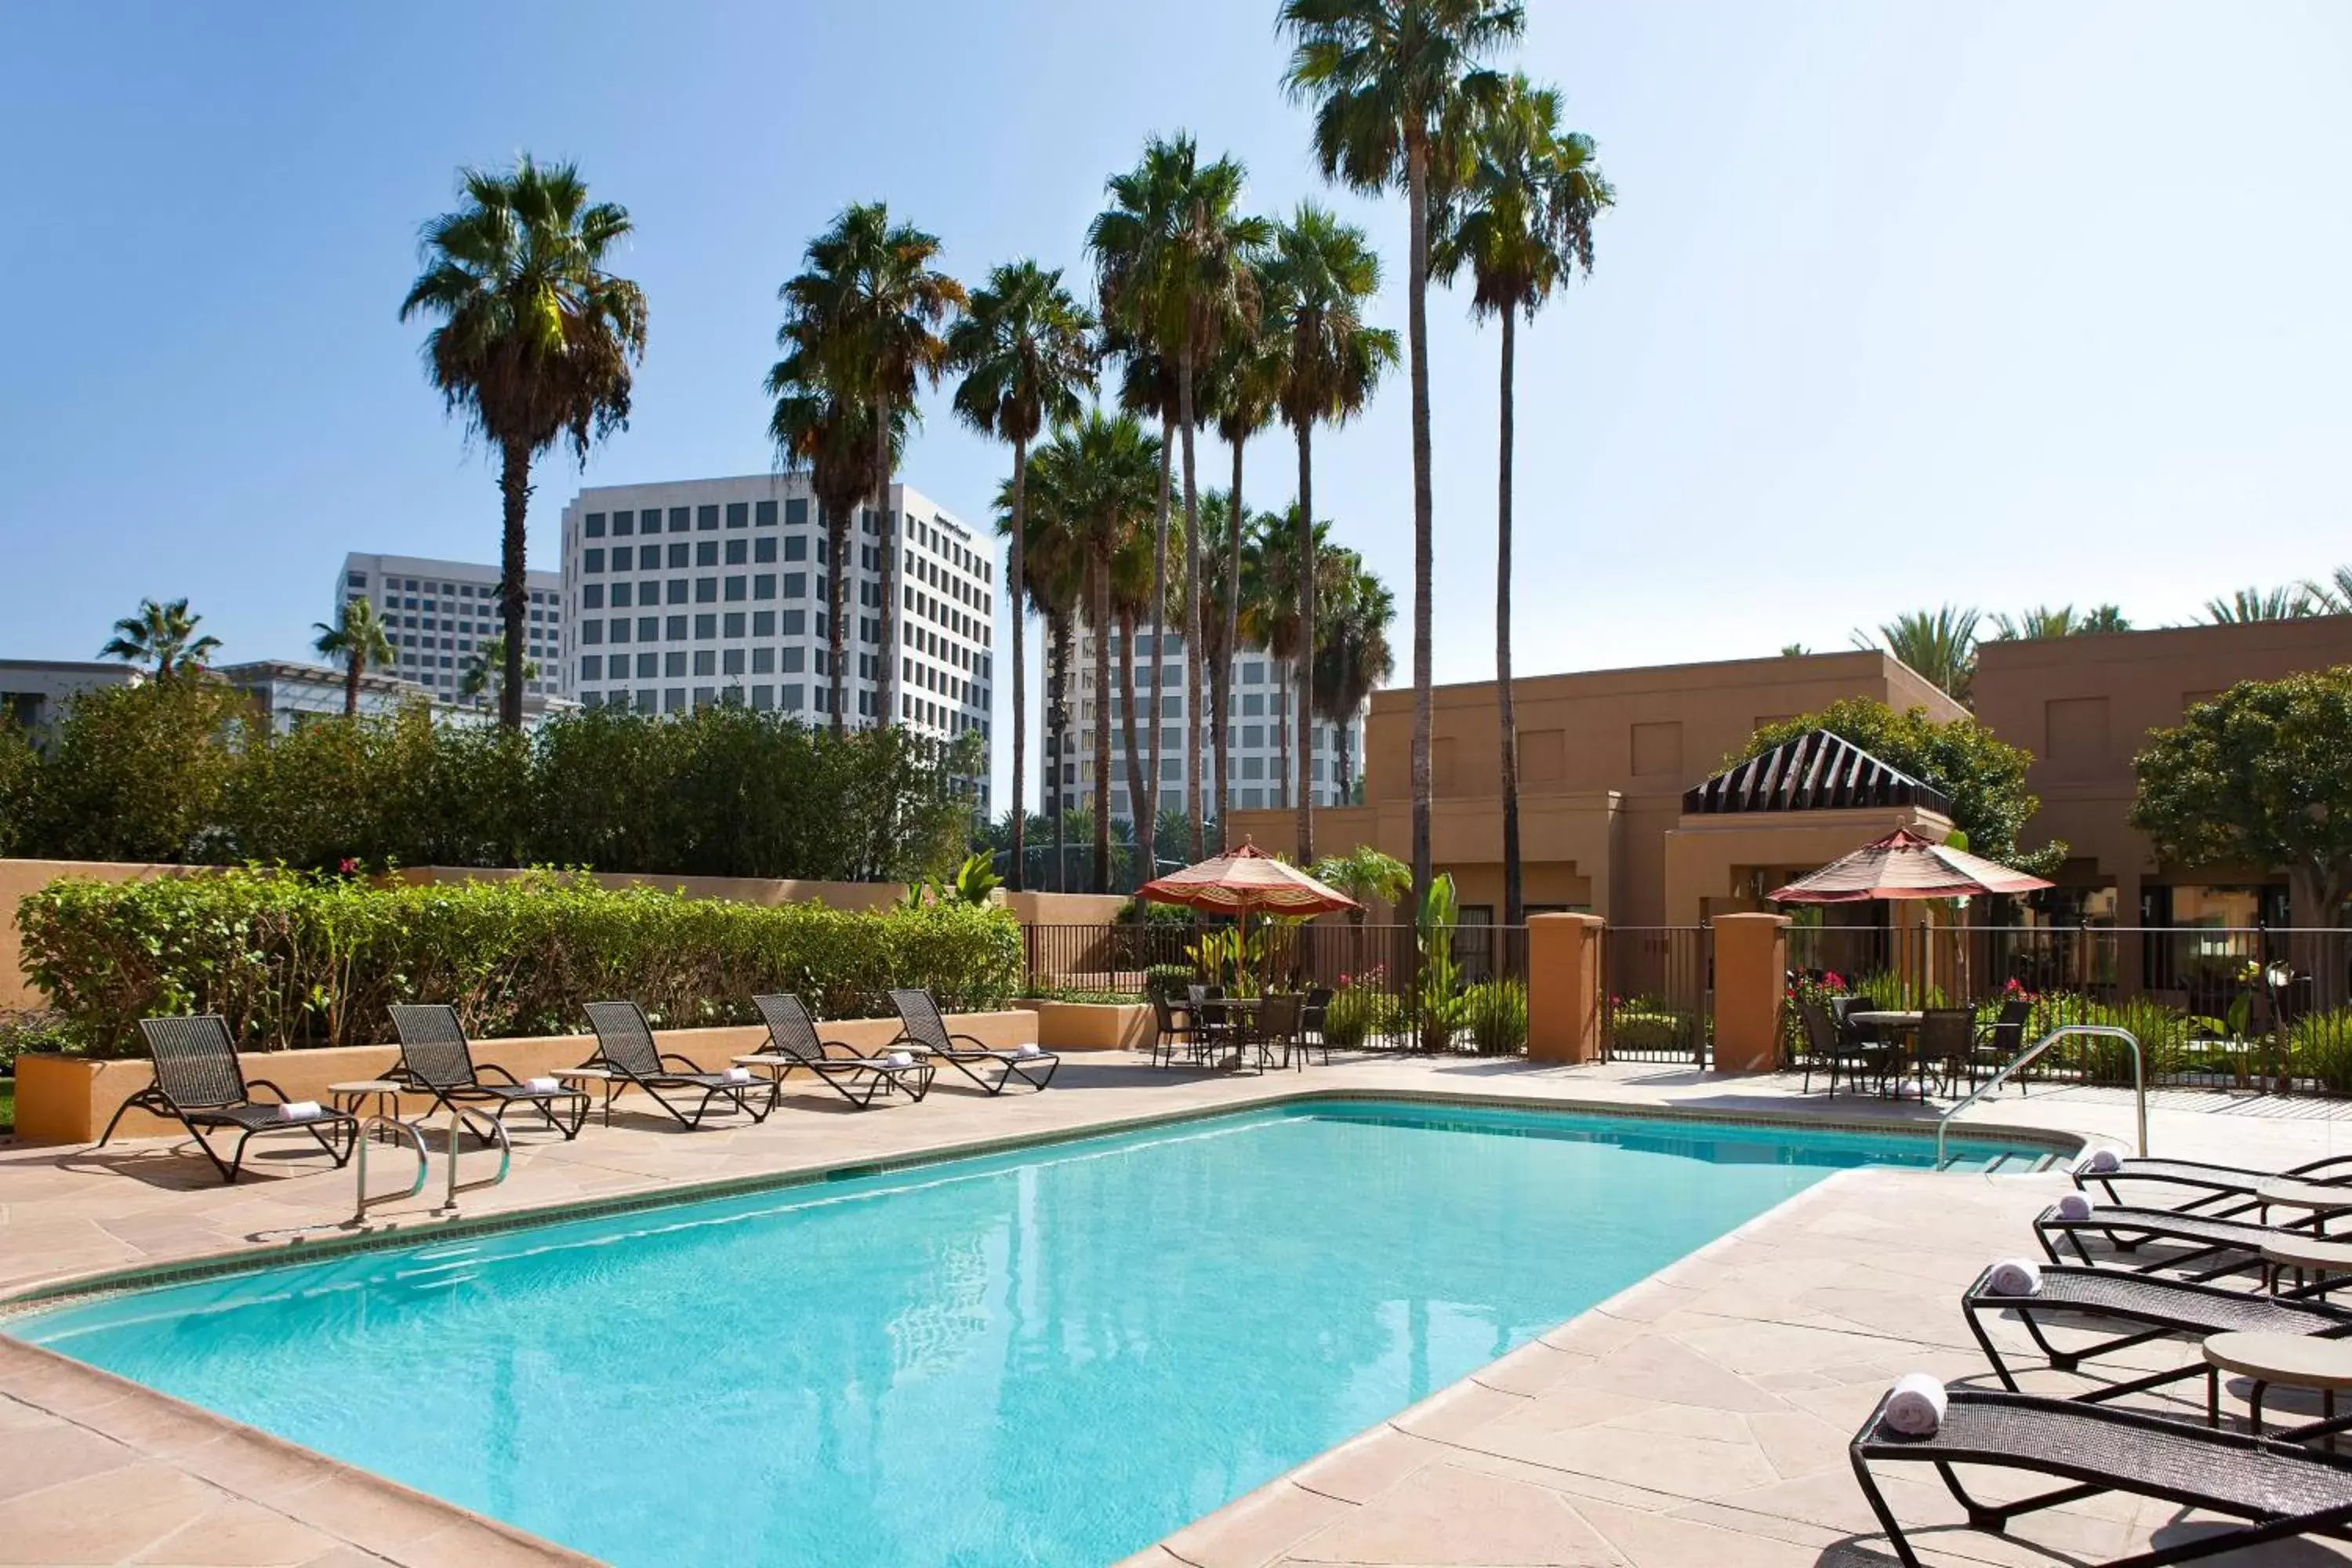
point(1899, 1022)
point(1225, 1020)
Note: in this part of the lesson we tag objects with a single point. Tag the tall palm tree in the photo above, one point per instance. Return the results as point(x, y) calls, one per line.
point(1271, 602)
point(1172, 254)
point(163, 636)
point(1939, 644)
point(1521, 223)
point(1324, 272)
point(535, 341)
point(1053, 567)
point(870, 305)
point(1148, 390)
point(2334, 596)
point(358, 638)
point(1132, 585)
point(1219, 615)
point(1244, 383)
point(1352, 657)
point(2293, 602)
point(1393, 81)
point(1026, 350)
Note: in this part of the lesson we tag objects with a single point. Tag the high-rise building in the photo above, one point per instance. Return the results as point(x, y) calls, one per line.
point(438, 614)
point(1261, 733)
point(717, 591)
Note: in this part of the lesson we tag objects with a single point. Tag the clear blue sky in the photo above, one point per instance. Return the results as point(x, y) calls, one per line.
point(1902, 304)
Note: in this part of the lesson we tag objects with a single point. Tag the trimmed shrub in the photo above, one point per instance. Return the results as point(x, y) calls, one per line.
point(1361, 1012)
point(294, 961)
point(1498, 1018)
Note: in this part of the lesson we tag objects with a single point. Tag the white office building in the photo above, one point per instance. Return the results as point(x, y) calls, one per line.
point(1262, 704)
point(716, 590)
point(438, 614)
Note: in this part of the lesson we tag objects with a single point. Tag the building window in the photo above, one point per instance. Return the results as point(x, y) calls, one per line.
point(649, 557)
point(796, 547)
point(763, 623)
point(795, 585)
point(795, 622)
point(649, 666)
point(649, 628)
point(705, 590)
point(763, 515)
point(706, 626)
point(591, 667)
point(592, 525)
point(680, 520)
point(732, 626)
point(675, 630)
point(763, 697)
point(620, 595)
point(592, 632)
point(763, 549)
point(592, 596)
point(794, 661)
point(738, 514)
point(735, 586)
point(763, 584)
point(674, 699)
point(677, 590)
point(763, 661)
point(623, 524)
point(738, 551)
point(706, 661)
point(680, 554)
point(592, 560)
point(674, 663)
point(796, 513)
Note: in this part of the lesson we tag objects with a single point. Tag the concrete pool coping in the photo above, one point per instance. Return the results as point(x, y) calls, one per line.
point(132, 1416)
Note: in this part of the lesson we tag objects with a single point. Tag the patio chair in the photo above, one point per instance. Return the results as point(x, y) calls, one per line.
point(435, 1058)
point(1816, 1043)
point(1172, 1032)
point(2147, 1308)
point(855, 1077)
point(624, 1045)
point(2200, 1247)
point(921, 1027)
point(199, 1082)
point(1860, 1051)
point(1278, 1026)
point(2279, 1490)
point(1999, 1041)
point(1311, 1013)
point(2213, 1184)
point(1948, 1043)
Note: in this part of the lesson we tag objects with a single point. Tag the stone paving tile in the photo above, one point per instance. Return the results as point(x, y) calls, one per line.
point(1700, 1418)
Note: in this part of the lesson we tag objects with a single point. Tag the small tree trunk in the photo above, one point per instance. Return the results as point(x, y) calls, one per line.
point(836, 533)
point(1192, 695)
point(353, 660)
point(1232, 613)
point(1100, 571)
point(1513, 893)
point(1057, 688)
point(1423, 506)
point(1147, 826)
point(886, 665)
point(1304, 695)
point(514, 585)
point(1138, 799)
point(1016, 877)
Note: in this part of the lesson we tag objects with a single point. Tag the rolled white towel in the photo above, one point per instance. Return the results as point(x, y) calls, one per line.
point(2075, 1207)
point(2100, 1162)
point(299, 1110)
point(2014, 1277)
point(1915, 1404)
point(541, 1085)
point(1026, 1049)
point(900, 1058)
point(737, 1075)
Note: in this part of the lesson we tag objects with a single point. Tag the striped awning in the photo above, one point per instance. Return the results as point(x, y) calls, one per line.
point(1903, 864)
point(1817, 771)
point(1246, 880)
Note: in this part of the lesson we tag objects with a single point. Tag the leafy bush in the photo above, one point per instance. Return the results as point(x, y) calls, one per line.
point(39, 1030)
point(289, 959)
point(1642, 1026)
point(1497, 1011)
point(1362, 1009)
point(1167, 979)
point(2319, 1048)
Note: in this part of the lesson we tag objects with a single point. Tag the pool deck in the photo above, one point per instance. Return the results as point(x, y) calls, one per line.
point(1700, 1417)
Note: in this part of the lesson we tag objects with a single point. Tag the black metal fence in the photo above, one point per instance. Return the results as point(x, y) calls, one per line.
point(2211, 1006)
point(1460, 988)
point(1657, 990)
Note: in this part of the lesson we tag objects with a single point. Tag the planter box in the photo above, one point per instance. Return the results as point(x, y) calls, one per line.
point(67, 1099)
point(1095, 1026)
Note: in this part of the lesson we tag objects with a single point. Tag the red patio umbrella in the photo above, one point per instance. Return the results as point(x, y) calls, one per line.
point(1903, 865)
point(1243, 882)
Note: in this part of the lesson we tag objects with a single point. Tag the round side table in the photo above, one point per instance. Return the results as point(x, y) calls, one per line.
point(2298, 1361)
point(354, 1094)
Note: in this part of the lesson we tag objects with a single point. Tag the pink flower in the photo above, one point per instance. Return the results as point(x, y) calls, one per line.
point(351, 865)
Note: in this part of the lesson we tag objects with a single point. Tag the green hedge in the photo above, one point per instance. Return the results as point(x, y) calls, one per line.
point(290, 959)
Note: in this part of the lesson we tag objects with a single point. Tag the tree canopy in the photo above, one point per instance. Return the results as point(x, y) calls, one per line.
point(1983, 775)
point(2261, 775)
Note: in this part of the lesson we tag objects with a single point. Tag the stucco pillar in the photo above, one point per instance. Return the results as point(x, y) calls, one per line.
point(1751, 973)
point(1564, 987)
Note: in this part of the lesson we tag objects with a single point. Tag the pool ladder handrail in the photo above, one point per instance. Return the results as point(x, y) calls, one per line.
point(2105, 1031)
point(368, 1128)
point(461, 1122)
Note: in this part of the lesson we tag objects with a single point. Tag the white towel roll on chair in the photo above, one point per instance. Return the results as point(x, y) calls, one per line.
point(2014, 1277)
point(1915, 1406)
point(2100, 1162)
point(299, 1110)
point(2075, 1207)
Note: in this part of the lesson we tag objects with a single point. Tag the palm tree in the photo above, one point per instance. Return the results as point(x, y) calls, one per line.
point(819, 427)
point(2043, 621)
point(1271, 603)
point(2334, 595)
point(867, 308)
point(1365, 874)
point(1352, 657)
point(1148, 389)
point(1393, 82)
point(490, 664)
point(1322, 275)
point(2293, 602)
point(535, 341)
point(163, 636)
point(1940, 644)
point(1522, 224)
point(1243, 383)
point(1026, 351)
point(1053, 567)
point(1172, 253)
point(358, 638)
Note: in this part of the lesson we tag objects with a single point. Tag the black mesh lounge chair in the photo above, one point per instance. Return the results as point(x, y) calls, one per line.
point(2280, 1489)
point(200, 1083)
point(922, 1029)
point(435, 1058)
point(2198, 1247)
point(2147, 1308)
point(2210, 1187)
point(624, 1045)
point(855, 1077)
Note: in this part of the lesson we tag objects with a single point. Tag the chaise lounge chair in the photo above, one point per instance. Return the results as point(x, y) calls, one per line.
point(922, 1030)
point(856, 1078)
point(435, 1058)
point(2212, 1184)
point(2147, 1308)
point(200, 1083)
point(2280, 1490)
point(2205, 1246)
point(625, 1046)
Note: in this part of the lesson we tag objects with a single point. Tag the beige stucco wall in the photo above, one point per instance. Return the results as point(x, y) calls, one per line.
point(2083, 706)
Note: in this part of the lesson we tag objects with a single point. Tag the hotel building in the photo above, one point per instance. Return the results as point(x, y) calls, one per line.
point(438, 612)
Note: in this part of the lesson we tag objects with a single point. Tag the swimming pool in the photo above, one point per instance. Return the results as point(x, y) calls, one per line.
point(1053, 1355)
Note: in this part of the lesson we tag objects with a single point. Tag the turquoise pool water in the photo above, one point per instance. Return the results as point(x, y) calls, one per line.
point(1051, 1356)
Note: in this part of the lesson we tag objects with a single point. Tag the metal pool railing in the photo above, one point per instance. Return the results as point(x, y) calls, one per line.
point(2140, 1078)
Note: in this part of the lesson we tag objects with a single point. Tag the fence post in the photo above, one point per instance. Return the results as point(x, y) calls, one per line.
point(1564, 988)
point(1751, 973)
